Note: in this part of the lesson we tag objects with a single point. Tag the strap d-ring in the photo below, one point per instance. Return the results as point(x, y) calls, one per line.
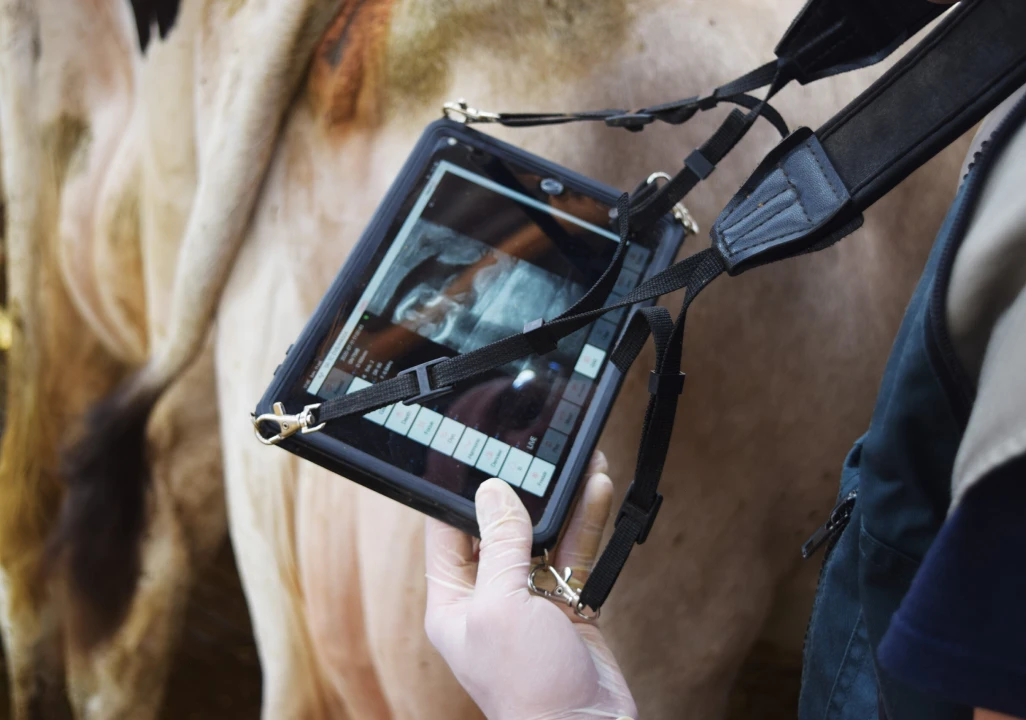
point(680, 211)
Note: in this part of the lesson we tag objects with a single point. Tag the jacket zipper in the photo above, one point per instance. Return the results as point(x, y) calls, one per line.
point(833, 527)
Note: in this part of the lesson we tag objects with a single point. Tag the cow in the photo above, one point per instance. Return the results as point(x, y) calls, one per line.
point(255, 142)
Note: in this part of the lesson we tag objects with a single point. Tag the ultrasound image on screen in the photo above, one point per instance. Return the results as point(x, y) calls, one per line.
point(463, 294)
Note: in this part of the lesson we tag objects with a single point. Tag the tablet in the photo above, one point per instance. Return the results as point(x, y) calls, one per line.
point(474, 239)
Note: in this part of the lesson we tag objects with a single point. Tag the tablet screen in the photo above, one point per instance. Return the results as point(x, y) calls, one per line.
point(480, 248)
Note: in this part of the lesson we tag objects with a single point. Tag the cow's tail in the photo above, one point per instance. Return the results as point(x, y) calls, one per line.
point(105, 510)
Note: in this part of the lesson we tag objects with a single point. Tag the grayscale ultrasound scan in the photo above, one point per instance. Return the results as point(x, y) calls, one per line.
point(463, 294)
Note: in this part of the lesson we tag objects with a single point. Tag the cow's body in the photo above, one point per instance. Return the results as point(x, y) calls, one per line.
point(277, 127)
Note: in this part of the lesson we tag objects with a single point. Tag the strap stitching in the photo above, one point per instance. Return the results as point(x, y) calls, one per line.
point(798, 197)
point(766, 220)
point(822, 170)
point(725, 229)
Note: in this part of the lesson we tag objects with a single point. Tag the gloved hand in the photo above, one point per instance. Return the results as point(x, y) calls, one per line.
point(521, 656)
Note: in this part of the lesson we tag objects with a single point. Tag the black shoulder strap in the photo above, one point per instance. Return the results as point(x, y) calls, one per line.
point(808, 193)
point(811, 190)
point(834, 36)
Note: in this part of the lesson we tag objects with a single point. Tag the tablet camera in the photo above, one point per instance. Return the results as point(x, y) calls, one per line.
point(551, 186)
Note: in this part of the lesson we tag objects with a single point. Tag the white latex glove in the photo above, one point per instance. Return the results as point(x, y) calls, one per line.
point(520, 656)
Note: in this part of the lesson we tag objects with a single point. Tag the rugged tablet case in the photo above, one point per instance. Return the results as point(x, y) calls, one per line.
point(348, 461)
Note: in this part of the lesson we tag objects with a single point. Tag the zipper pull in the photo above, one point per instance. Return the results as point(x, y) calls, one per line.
point(833, 527)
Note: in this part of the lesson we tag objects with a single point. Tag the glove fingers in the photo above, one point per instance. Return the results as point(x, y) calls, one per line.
point(583, 535)
point(449, 563)
point(506, 532)
point(598, 464)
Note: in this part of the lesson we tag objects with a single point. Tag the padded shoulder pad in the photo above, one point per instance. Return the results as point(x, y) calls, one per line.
point(792, 204)
point(834, 36)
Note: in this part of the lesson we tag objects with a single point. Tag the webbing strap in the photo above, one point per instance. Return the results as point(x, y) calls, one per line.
point(672, 113)
point(642, 502)
point(408, 388)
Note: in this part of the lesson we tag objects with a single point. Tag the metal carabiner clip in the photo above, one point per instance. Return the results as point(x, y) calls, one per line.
point(460, 112)
point(563, 593)
point(288, 425)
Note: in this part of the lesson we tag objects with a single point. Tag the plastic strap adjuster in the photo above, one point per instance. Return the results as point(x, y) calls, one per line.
point(425, 391)
point(630, 121)
point(699, 164)
point(669, 384)
point(539, 337)
point(642, 517)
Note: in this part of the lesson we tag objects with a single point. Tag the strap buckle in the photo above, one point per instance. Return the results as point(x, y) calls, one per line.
point(288, 425)
point(644, 518)
point(539, 337)
point(424, 389)
point(460, 112)
point(563, 592)
point(633, 121)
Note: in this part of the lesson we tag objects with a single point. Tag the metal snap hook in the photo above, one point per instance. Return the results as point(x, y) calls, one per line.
point(288, 425)
point(460, 112)
point(563, 593)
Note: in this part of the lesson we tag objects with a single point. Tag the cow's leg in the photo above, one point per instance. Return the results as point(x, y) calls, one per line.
point(20, 538)
point(261, 487)
point(32, 649)
point(335, 585)
point(125, 677)
point(416, 680)
point(29, 490)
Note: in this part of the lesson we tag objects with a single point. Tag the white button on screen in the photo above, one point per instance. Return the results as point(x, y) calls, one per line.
point(492, 456)
point(358, 384)
point(590, 361)
point(425, 426)
point(515, 467)
point(401, 419)
point(470, 447)
point(448, 436)
point(379, 416)
point(538, 476)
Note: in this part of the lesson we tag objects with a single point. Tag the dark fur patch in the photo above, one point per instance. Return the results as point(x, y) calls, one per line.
point(98, 535)
point(163, 12)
